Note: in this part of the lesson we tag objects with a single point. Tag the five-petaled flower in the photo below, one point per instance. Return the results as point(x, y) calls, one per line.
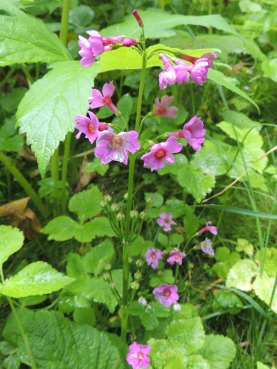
point(163, 109)
point(176, 257)
point(153, 256)
point(137, 356)
point(193, 131)
point(87, 126)
point(206, 247)
point(111, 146)
point(99, 99)
point(167, 294)
point(209, 227)
point(166, 221)
point(161, 153)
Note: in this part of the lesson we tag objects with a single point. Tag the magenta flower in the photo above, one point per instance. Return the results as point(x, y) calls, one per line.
point(88, 126)
point(111, 146)
point(168, 75)
point(138, 18)
point(210, 58)
point(90, 48)
point(194, 132)
point(161, 153)
point(176, 256)
point(167, 294)
point(166, 221)
point(99, 99)
point(129, 42)
point(162, 108)
point(181, 71)
point(209, 227)
point(206, 247)
point(153, 256)
point(199, 70)
point(137, 356)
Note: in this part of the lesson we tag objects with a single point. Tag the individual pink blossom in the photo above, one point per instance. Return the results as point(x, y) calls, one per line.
point(210, 57)
point(166, 221)
point(87, 126)
point(176, 257)
point(90, 48)
point(153, 256)
point(162, 108)
point(137, 356)
point(99, 99)
point(209, 227)
point(161, 153)
point(199, 70)
point(138, 18)
point(168, 75)
point(129, 42)
point(206, 247)
point(181, 71)
point(111, 146)
point(193, 131)
point(167, 294)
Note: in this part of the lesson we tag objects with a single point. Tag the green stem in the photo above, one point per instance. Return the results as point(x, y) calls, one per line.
point(64, 21)
point(124, 320)
point(20, 327)
point(66, 156)
point(24, 184)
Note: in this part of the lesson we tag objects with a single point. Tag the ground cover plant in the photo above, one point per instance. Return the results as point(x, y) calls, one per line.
point(138, 185)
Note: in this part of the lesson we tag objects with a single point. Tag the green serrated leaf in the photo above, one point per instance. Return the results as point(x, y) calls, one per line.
point(196, 362)
point(38, 278)
point(241, 275)
point(96, 259)
point(61, 228)
point(11, 240)
point(27, 39)
point(46, 112)
point(265, 288)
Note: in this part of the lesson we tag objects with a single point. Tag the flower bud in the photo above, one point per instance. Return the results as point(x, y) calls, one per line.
point(125, 196)
point(138, 18)
point(142, 301)
point(138, 275)
point(143, 215)
point(139, 262)
point(108, 266)
point(106, 276)
point(129, 42)
point(134, 214)
point(130, 259)
point(177, 307)
point(134, 285)
point(114, 207)
point(120, 216)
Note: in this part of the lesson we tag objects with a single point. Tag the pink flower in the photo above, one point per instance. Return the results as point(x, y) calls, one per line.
point(181, 71)
point(111, 146)
point(199, 70)
point(129, 42)
point(193, 132)
point(209, 227)
point(161, 153)
point(153, 256)
point(206, 247)
point(99, 99)
point(210, 58)
point(166, 221)
point(176, 256)
point(88, 126)
point(167, 294)
point(163, 109)
point(137, 356)
point(168, 75)
point(90, 48)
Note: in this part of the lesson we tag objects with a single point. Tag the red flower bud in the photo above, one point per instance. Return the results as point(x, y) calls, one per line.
point(138, 18)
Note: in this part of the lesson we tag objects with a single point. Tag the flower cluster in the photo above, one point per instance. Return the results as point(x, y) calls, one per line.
point(177, 71)
point(96, 44)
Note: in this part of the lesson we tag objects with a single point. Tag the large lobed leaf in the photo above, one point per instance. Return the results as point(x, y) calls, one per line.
point(11, 240)
point(25, 39)
point(58, 343)
point(47, 111)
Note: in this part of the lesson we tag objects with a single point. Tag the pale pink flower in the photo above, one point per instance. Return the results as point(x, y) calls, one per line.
point(137, 356)
point(209, 227)
point(162, 108)
point(176, 256)
point(99, 99)
point(111, 146)
point(210, 57)
point(90, 48)
point(194, 132)
point(167, 294)
point(166, 221)
point(87, 126)
point(153, 256)
point(168, 75)
point(161, 153)
point(206, 247)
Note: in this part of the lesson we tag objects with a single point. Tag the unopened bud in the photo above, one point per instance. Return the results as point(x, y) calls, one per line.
point(129, 42)
point(108, 266)
point(130, 259)
point(143, 215)
point(139, 262)
point(120, 216)
point(108, 198)
point(149, 200)
point(106, 276)
point(114, 207)
point(125, 196)
point(190, 265)
point(138, 18)
point(134, 285)
point(142, 301)
point(138, 275)
point(134, 214)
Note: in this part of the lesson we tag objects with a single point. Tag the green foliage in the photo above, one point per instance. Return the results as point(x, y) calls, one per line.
point(9, 141)
point(11, 240)
point(225, 260)
point(46, 113)
point(27, 39)
point(74, 346)
point(37, 278)
point(96, 166)
point(98, 257)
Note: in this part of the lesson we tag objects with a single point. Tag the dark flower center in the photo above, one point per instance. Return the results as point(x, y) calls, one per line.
point(116, 142)
point(160, 110)
point(91, 128)
point(159, 154)
point(167, 292)
point(107, 100)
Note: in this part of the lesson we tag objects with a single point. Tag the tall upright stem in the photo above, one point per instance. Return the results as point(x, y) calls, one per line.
point(24, 184)
point(124, 320)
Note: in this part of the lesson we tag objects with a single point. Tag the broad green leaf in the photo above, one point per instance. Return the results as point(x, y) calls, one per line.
point(165, 356)
point(153, 199)
point(138, 247)
point(61, 228)
point(98, 257)
point(11, 240)
point(46, 113)
point(226, 261)
point(59, 343)
point(37, 278)
point(262, 366)
point(267, 259)
point(25, 39)
point(227, 301)
point(219, 351)
point(162, 276)
point(265, 289)
point(269, 68)
point(241, 275)
point(247, 136)
point(196, 362)
point(195, 182)
point(86, 204)
point(230, 83)
point(187, 333)
point(9, 140)
point(245, 246)
point(102, 293)
point(158, 24)
point(96, 166)
point(85, 316)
